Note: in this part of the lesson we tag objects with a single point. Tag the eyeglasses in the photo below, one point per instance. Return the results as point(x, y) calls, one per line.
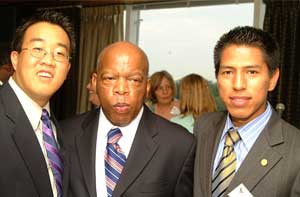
point(59, 54)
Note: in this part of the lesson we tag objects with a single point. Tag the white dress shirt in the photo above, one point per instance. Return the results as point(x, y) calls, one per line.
point(34, 112)
point(125, 143)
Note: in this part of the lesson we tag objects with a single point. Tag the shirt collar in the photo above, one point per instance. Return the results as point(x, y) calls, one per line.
point(32, 110)
point(106, 125)
point(245, 128)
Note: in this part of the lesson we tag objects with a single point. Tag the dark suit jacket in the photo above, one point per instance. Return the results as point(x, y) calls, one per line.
point(160, 162)
point(23, 170)
point(279, 144)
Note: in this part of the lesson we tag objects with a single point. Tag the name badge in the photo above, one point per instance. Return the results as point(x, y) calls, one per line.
point(240, 191)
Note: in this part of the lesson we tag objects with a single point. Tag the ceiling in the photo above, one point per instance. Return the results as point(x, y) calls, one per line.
point(83, 3)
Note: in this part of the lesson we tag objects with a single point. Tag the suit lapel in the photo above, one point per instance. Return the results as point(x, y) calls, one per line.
point(26, 142)
point(86, 149)
point(141, 152)
point(214, 135)
point(62, 149)
point(263, 148)
point(58, 131)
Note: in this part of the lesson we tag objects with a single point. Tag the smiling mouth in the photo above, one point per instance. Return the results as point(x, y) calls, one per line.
point(239, 101)
point(45, 74)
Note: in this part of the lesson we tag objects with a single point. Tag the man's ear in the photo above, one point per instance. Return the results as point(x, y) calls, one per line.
point(148, 87)
point(94, 79)
point(14, 58)
point(274, 79)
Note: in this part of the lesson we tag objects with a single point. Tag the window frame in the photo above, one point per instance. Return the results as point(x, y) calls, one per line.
point(132, 15)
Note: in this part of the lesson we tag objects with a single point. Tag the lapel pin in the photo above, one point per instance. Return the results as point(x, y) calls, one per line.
point(264, 162)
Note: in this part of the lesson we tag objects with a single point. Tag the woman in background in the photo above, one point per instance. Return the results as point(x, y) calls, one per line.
point(195, 99)
point(162, 95)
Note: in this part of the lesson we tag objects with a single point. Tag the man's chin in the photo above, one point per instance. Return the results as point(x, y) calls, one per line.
point(120, 123)
point(119, 119)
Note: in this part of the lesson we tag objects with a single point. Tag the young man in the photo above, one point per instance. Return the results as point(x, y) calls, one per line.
point(121, 148)
point(31, 163)
point(248, 150)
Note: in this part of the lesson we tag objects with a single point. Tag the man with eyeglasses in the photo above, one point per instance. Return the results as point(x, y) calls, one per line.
point(30, 148)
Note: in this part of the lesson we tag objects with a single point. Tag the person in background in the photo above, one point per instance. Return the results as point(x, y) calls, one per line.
point(122, 148)
point(30, 140)
point(162, 95)
point(248, 150)
point(6, 70)
point(195, 99)
point(91, 87)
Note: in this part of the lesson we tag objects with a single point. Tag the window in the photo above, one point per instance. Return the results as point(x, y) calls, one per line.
point(181, 40)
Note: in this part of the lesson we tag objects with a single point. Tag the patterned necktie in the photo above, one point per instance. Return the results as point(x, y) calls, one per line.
point(52, 151)
point(114, 160)
point(226, 168)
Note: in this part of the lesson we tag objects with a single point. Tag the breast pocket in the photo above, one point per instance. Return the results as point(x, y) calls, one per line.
point(161, 187)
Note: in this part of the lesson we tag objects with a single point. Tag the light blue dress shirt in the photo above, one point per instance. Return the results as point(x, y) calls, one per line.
point(248, 132)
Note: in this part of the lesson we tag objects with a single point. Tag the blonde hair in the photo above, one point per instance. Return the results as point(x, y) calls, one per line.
point(195, 96)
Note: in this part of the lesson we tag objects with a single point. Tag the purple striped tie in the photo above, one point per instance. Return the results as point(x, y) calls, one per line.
point(114, 160)
point(52, 151)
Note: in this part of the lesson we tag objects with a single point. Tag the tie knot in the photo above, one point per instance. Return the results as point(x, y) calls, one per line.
point(45, 114)
point(45, 118)
point(232, 137)
point(114, 135)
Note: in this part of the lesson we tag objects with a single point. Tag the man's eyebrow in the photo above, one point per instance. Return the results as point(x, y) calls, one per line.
point(42, 40)
point(253, 66)
point(247, 66)
point(36, 39)
point(63, 45)
point(225, 66)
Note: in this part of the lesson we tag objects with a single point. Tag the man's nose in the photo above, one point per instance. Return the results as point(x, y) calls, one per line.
point(239, 81)
point(121, 86)
point(48, 58)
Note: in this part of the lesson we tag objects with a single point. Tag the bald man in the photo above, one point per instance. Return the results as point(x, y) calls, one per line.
point(123, 149)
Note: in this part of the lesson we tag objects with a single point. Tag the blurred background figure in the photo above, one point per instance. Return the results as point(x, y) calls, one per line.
point(162, 95)
point(6, 70)
point(91, 86)
point(195, 99)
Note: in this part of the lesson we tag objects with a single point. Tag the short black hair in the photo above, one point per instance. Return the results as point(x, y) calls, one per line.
point(50, 16)
point(249, 36)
